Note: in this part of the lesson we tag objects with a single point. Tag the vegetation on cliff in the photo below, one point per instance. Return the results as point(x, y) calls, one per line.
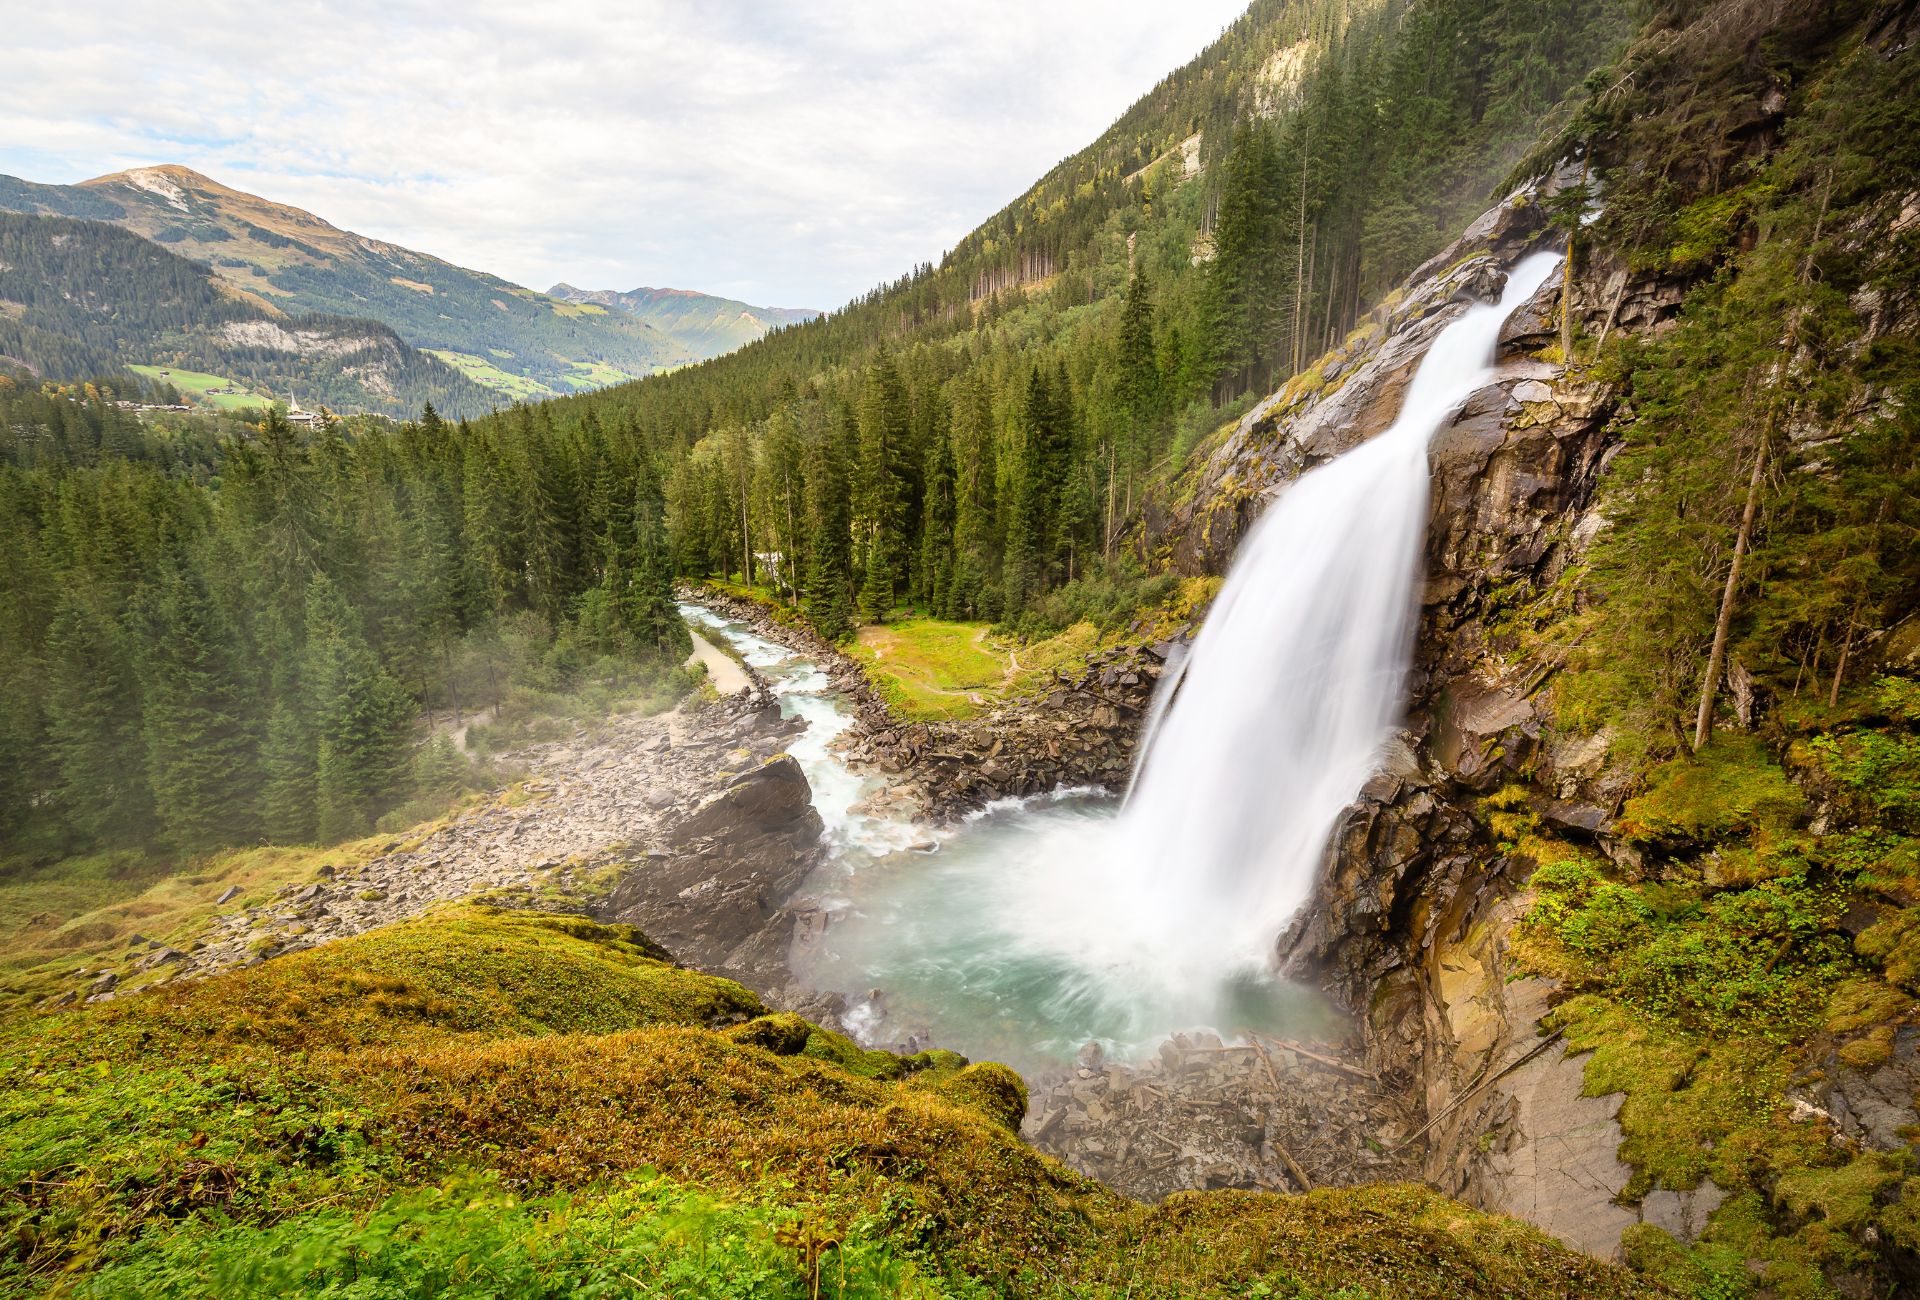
point(1779, 417)
point(1738, 632)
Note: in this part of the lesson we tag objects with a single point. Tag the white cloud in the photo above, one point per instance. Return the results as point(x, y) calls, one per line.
point(790, 155)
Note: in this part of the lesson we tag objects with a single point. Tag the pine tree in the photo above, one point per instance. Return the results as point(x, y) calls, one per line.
point(1241, 288)
point(884, 414)
point(935, 578)
point(93, 725)
point(290, 762)
point(659, 631)
point(201, 746)
point(828, 595)
point(973, 497)
point(362, 719)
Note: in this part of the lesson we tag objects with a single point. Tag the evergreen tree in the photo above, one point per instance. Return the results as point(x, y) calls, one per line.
point(93, 725)
point(289, 759)
point(362, 719)
point(935, 577)
point(828, 598)
point(660, 634)
point(883, 416)
point(201, 746)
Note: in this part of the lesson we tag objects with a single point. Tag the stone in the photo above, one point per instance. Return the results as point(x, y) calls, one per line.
point(1563, 1177)
point(1682, 1215)
point(227, 895)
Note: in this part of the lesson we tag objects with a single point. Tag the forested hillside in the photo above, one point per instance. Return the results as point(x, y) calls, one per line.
point(210, 643)
point(81, 299)
point(978, 434)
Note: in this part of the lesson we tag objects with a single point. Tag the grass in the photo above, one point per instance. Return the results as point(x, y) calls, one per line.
point(522, 1105)
point(198, 388)
point(597, 374)
point(483, 371)
point(82, 912)
point(929, 668)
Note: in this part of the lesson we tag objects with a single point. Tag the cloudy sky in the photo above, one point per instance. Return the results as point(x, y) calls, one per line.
point(791, 155)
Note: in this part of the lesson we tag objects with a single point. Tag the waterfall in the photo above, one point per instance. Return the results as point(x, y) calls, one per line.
point(1043, 924)
point(1295, 681)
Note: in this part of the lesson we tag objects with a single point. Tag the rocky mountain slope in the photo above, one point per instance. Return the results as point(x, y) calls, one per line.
point(80, 300)
point(707, 325)
point(518, 342)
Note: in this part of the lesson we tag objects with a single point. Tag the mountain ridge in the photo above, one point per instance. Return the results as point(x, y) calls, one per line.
point(81, 299)
point(507, 337)
point(701, 319)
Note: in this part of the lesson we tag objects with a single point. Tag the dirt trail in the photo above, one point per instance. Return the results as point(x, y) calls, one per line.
point(724, 672)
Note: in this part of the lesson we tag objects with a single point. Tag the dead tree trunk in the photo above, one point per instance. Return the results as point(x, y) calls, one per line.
point(1723, 625)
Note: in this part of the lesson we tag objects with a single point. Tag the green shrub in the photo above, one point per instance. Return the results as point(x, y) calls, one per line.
point(475, 1238)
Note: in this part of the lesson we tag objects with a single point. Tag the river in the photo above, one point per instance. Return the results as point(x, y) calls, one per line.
point(976, 937)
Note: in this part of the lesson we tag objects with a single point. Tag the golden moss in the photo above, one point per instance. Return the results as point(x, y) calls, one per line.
point(561, 1058)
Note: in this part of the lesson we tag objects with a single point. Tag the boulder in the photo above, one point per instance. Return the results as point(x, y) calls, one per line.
point(718, 899)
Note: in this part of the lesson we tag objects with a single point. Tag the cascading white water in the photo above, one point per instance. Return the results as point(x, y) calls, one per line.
point(1295, 681)
point(1045, 924)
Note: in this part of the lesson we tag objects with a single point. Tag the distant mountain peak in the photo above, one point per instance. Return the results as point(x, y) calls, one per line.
point(287, 260)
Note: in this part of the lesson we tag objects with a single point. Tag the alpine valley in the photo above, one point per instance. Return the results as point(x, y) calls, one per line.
point(1327, 706)
point(291, 303)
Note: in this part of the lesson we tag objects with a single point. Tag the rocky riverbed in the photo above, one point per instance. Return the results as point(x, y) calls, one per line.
point(636, 796)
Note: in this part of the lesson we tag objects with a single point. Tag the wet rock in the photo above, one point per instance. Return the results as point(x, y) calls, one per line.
point(1562, 1170)
point(1874, 1106)
point(1536, 322)
point(1200, 1113)
point(718, 902)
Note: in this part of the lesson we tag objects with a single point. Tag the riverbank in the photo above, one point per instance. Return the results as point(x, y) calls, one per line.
point(1081, 730)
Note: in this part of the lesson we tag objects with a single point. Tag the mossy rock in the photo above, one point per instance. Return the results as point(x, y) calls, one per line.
point(990, 1088)
point(783, 1034)
point(1731, 788)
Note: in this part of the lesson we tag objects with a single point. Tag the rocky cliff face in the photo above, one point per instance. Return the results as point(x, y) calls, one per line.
point(1409, 920)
